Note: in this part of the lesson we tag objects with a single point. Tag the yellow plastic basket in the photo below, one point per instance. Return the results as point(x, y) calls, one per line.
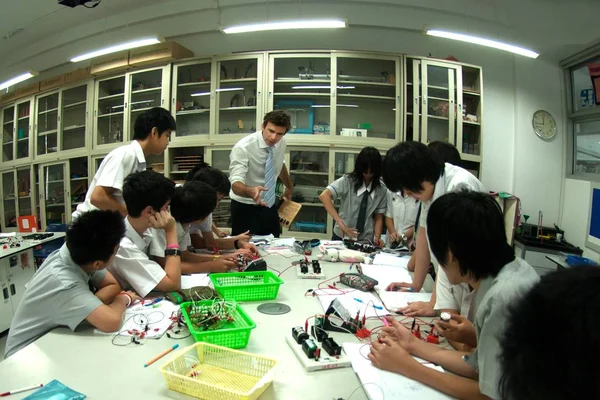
point(211, 372)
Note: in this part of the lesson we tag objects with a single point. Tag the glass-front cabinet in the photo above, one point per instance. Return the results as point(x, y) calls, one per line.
point(110, 111)
point(17, 124)
point(470, 143)
point(78, 182)
point(9, 201)
point(238, 95)
point(219, 158)
point(53, 194)
point(147, 89)
point(191, 98)
point(74, 128)
point(47, 119)
point(8, 127)
point(18, 198)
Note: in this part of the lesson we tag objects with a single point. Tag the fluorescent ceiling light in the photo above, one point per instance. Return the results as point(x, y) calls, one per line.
point(117, 47)
point(17, 79)
point(339, 105)
point(200, 94)
point(231, 89)
point(483, 42)
point(276, 26)
point(322, 87)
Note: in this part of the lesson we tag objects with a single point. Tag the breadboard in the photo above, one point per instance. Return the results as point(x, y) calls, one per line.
point(325, 362)
point(309, 275)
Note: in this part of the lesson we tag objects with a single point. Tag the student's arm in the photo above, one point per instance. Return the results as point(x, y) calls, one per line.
point(378, 227)
point(192, 263)
point(391, 229)
point(107, 287)
point(287, 182)
point(409, 233)
point(197, 241)
point(102, 198)
point(422, 260)
point(326, 198)
point(108, 318)
point(172, 281)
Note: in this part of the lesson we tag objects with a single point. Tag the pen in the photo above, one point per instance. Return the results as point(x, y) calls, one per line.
point(374, 306)
point(161, 355)
point(21, 390)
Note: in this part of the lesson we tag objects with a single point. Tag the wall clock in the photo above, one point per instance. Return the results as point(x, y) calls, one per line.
point(544, 124)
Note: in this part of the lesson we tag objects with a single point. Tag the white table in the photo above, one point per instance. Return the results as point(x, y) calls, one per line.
point(89, 363)
point(27, 244)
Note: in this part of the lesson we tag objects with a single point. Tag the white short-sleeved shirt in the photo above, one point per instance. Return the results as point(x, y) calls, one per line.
point(453, 179)
point(453, 297)
point(350, 199)
point(132, 267)
point(159, 240)
point(204, 226)
point(402, 210)
point(247, 162)
point(116, 166)
point(492, 300)
point(57, 295)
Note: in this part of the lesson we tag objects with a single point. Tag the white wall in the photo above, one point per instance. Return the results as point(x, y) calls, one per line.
point(575, 214)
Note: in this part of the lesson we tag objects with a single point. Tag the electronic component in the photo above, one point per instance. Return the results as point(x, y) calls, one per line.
point(358, 281)
point(445, 316)
point(319, 333)
point(256, 265)
point(331, 347)
point(304, 267)
point(310, 348)
point(363, 247)
point(323, 362)
point(299, 334)
point(316, 266)
point(38, 236)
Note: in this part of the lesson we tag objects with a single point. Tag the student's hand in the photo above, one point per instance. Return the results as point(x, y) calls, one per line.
point(249, 246)
point(458, 329)
point(287, 193)
point(391, 356)
point(350, 232)
point(242, 236)
point(399, 287)
point(162, 220)
point(378, 242)
point(223, 265)
point(418, 309)
point(222, 234)
point(246, 253)
point(133, 295)
point(254, 193)
point(394, 236)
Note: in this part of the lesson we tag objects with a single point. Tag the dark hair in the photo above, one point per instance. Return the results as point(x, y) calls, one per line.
point(156, 117)
point(533, 364)
point(279, 118)
point(212, 176)
point(408, 164)
point(193, 201)
point(146, 188)
point(94, 236)
point(446, 152)
point(369, 159)
point(471, 225)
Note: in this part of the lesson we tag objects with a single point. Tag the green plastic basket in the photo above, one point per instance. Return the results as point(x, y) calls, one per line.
point(247, 286)
point(234, 335)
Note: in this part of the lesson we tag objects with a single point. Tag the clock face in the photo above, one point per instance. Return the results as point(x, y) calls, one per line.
point(544, 124)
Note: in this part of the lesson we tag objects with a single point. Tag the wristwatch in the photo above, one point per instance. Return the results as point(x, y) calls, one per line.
point(172, 252)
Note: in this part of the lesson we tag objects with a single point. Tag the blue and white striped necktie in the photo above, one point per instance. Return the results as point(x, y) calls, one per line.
point(270, 179)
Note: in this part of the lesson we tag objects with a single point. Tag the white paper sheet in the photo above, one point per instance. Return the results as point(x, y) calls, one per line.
point(385, 274)
point(395, 300)
point(189, 281)
point(391, 260)
point(364, 303)
point(385, 384)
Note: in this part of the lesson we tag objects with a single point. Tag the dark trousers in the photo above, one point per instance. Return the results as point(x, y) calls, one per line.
point(335, 237)
point(258, 220)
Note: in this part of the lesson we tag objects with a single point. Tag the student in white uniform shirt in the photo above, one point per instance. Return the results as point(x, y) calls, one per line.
point(147, 195)
point(363, 200)
point(400, 216)
point(191, 204)
point(467, 236)
point(416, 170)
point(256, 162)
point(201, 234)
point(59, 293)
point(152, 132)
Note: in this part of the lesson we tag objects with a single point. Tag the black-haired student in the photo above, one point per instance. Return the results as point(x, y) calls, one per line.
point(414, 169)
point(192, 203)
point(201, 234)
point(467, 236)
point(147, 195)
point(363, 200)
point(541, 365)
point(152, 132)
point(59, 292)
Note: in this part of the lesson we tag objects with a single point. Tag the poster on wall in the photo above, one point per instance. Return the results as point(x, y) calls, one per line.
point(594, 70)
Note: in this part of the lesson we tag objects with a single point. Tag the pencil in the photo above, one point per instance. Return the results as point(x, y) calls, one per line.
point(21, 390)
point(161, 355)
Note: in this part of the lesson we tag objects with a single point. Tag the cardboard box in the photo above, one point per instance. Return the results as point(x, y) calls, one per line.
point(52, 83)
point(158, 53)
point(353, 132)
point(110, 63)
point(77, 75)
point(28, 90)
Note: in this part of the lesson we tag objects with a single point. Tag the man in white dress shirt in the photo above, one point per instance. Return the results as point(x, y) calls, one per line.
point(255, 163)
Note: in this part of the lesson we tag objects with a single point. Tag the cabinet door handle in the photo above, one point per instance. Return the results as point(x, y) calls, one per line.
point(5, 293)
point(13, 290)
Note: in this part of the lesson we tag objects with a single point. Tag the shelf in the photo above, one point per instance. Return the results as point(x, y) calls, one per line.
point(55, 205)
point(72, 127)
point(366, 83)
point(437, 98)
point(238, 108)
point(193, 84)
point(110, 114)
point(48, 111)
point(112, 96)
point(9, 198)
point(189, 112)
point(9, 122)
point(79, 103)
point(58, 181)
point(469, 93)
point(319, 204)
point(24, 197)
point(76, 204)
point(23, 118)
point(50, 132)
point(22, 139)
point(301, 94)
point(149, 90)
point(437, 87)
point(299, 172)
point(471, 123)
point(237, 80)
point(364, 96)
point(83, 178)
point(5, 143)
point(141, 109)
point(296, 80)
point(437, 117)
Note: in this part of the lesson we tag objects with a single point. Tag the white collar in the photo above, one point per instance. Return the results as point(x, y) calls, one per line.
point(362, 189)
point(140, 241)
point(139, 153)
point(263, 145)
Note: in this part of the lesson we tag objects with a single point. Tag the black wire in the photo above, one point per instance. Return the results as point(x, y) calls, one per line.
point(94, 5)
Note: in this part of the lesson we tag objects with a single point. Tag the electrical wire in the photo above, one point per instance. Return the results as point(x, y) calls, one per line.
point(365, 384)
point(96, 3)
